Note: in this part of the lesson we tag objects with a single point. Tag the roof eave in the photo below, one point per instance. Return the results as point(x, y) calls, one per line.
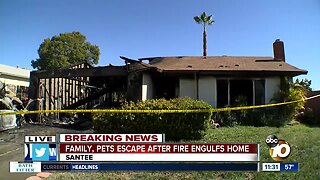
point(237, 72)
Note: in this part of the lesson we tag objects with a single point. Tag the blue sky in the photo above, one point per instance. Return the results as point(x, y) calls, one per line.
point(144, 28)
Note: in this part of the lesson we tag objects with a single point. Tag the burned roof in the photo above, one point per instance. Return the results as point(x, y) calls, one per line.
point(136, 65)
point(222, 64)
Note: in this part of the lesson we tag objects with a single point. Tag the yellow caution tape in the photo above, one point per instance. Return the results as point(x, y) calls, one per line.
point(154, 111)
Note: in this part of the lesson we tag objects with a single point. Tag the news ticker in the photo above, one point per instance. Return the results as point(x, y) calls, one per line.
point(145, 152)
point(25, 167)
point(133, 148)
point(151, 148)
point(142, 152)
point(30, 167)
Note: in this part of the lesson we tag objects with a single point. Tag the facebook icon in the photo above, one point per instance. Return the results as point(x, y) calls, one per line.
point(40, 152)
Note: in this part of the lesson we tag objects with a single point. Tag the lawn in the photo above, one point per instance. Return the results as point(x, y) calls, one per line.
point(304, 141)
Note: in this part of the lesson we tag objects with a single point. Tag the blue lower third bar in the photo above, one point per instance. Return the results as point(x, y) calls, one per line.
point(149, 167)
point(289, 167)
point(70, 167)
point(179, 167)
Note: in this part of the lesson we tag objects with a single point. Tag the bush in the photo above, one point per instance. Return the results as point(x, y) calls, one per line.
point(232, 118)
point(226, 118)
point(289, 92)
point(175, 126)
point(307, 117)
point(279, 115)
point(271, 116)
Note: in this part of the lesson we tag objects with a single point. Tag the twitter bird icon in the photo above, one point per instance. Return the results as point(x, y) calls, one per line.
point(40, 153)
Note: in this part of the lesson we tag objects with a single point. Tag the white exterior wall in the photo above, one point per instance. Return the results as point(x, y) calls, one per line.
point(15, 81)
point(207, 90)
point(187, 88)
point(147, 87)
point(272, 86)
point(14, 75)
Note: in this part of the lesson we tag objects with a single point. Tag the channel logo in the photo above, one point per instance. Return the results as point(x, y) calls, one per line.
point(279, 149)
point(40, 152)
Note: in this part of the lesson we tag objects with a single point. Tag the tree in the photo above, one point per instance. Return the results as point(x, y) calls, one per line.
point(65, 50)
point(305, 83)
point(204, 20)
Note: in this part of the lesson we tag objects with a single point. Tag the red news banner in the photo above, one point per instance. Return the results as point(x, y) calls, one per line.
point(106, 138)
point(147, 150)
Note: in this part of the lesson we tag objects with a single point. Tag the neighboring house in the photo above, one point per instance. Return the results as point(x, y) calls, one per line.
point(15, 79)
point(314, 105)
point(219, 80)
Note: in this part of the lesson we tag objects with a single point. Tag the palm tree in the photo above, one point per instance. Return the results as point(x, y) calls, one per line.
point(204, 20)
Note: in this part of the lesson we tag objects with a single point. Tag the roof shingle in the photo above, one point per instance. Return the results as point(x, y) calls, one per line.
point(222, 64)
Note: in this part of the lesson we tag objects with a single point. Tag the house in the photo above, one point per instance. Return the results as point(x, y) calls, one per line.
point(314, 104)
point(219, 80)
point(78, 86)
point(15, 79)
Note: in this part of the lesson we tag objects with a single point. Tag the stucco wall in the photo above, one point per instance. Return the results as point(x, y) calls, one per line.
point(207, 90)
point(15, 81)
point(14, 75)
point(147, 87)
point(272, 86)
point(187, 88)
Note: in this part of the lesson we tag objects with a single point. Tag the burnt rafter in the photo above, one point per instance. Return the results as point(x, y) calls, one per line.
point(86, 72)
point(87, 99)
point(78, 79)
point(128, 60)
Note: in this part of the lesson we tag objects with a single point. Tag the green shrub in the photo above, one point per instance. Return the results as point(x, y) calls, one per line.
point(279, 115)
point(226, 118)
point(307, 117)
point(232, 118)
point(175, 126)
point(271, 116)
point(289, 92)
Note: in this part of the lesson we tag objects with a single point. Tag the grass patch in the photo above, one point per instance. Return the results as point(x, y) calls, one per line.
point(304, 141)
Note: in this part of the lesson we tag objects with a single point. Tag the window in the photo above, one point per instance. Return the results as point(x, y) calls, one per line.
point(241, 88)
point(222, 93)
point(229, 90)
point(259, 89)
point(22, 92)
